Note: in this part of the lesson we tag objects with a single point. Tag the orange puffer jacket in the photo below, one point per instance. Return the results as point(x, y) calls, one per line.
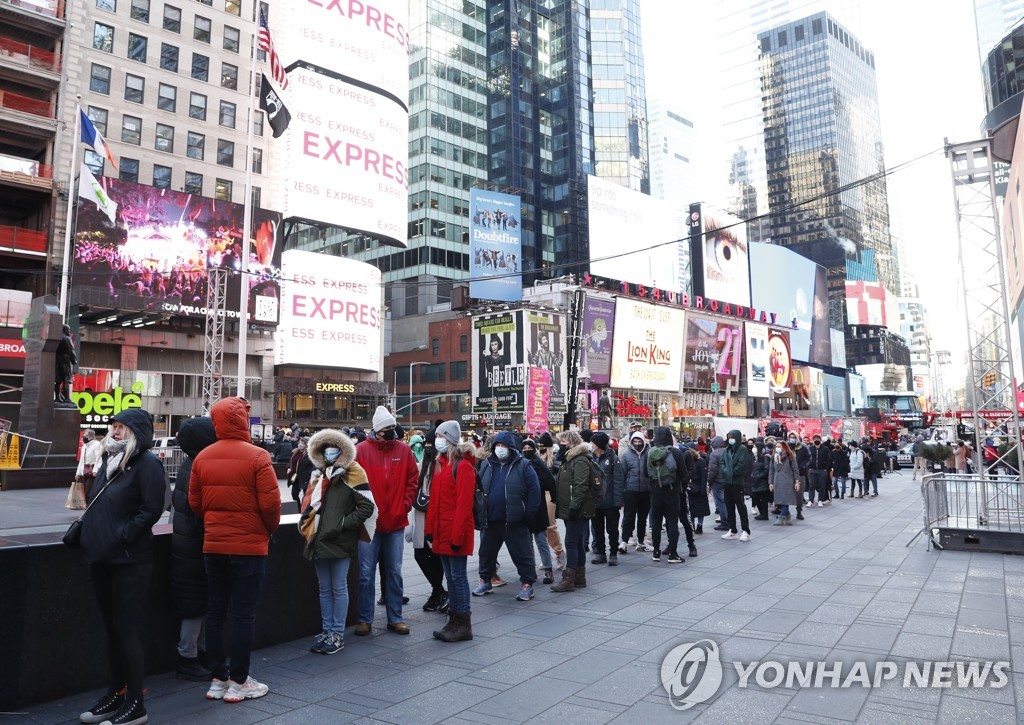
point(233, 487)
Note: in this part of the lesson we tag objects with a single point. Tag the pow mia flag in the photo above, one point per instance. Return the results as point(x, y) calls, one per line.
point(270, 102)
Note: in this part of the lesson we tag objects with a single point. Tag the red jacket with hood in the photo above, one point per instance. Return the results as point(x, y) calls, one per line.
point(450, 510)
point(394, 478)
point(233, 487)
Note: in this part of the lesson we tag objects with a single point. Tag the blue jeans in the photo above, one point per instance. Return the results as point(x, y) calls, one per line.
point(575, 556)
point(544, 548)
point(236, 579)
point(784, 510)
point(388, 549)
point(873, 479)
point(835, 485)
point(332, 574)
point(718, 494)
point(458, 582)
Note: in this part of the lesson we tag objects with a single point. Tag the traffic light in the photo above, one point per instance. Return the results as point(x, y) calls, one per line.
point(988, 380)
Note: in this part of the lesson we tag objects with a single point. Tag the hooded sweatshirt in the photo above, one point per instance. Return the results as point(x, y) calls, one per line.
point(735, 461)
point(715, 459)
point(512, 486)
point(634, 465)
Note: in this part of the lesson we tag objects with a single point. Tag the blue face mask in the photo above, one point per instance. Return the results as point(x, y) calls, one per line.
point(331, 454)
point(501, 452)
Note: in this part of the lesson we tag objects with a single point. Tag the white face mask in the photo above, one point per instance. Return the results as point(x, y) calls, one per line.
point(441, 445)
point(501, 452)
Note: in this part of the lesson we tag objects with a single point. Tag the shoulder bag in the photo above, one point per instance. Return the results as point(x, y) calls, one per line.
point(73, 536)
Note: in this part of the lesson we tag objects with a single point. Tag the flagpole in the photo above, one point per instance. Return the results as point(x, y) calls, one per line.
point(65, 273)
point(243, 297)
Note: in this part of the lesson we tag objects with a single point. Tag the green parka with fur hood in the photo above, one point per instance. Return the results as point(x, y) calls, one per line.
point(342, 509)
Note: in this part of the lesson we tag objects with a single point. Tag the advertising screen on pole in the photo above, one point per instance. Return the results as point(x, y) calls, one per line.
point(757, 360)
point(348, 155)
point(713, 353)
point(495, 246)
point(545, 348)
point(623, 224)
point(720, 257)
point(780, 362)
point(784, 281)
point(538, 400)
point(156, 257)
point(499, 363)
point(330, 312)
point(648, 346)
point(598, 329)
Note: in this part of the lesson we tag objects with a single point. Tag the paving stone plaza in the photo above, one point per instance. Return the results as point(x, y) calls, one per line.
point(840, 587)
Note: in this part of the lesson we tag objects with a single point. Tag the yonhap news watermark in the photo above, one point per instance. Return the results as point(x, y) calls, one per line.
point(693, 673)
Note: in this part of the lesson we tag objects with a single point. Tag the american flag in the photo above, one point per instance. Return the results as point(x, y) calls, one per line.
point(267, 45)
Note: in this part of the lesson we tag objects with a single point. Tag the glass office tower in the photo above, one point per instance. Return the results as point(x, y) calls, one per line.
point(823, 150)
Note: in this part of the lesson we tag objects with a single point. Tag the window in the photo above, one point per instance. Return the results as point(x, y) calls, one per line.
point(103, 37)
point(435, 347)
point(200, 67)
point(233, 6)
point(140, 10)
point(169, 57)
point(222, 190)
point(193, 183)
point(231, 38)
point(110, 5)
point(257, 197)
point(201, 32)
point(131, 130)
point(167, 98)
point(99, 79)
point(229, 76)
point(459, 370)
point(227, 114)
point(164, 138)
point(129, 170)
point(225, 152)
point(137, 45)
point(197, 106)
point(162, 176)
point(172, 19)
point(257, 123)
point(196, 145)
point(134, 88)
point(99, 117)
point(463, 343)
point(257, 161)
point(94, 162)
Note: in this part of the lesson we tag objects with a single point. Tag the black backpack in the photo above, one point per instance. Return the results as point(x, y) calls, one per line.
point(479, 497)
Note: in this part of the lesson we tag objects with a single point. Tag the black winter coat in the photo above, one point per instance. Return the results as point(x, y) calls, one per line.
point(840, 460)
point(118, 529)
point(759, 475)
point(188, 572)
point(697, 493)
point(818, 457)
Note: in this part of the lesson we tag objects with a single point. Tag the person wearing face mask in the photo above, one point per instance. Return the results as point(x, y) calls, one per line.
point(416, 442)
point(394, 477)
point(637, 496)
point(513, 497)
point(818, 461)
point(338, 511)
point(422, 549)
point(449, 524)
point(759, 479)
point(717, 492)
point(88, 464)
point(546, 450)
point(732, 469)
point(803, 460)
point(839, 460)
point(858, 464)
point(545, 512)
point(607, 514)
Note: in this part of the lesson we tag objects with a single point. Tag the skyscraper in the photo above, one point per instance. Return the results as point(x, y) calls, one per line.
point(994, 19)
point(823, 151)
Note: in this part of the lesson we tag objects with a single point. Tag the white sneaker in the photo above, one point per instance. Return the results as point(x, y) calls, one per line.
point(820, 504)
point(729, 535)
point(249, 690)
point(218, 688)
point(744, 536)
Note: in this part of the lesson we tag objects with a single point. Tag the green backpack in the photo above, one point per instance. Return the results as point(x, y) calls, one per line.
point(661, 467)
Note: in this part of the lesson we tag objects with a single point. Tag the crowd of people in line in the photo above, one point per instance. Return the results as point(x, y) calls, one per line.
point(364, 495)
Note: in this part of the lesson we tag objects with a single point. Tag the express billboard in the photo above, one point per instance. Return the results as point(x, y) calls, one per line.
point(623, 226)
point(719, 254)
point(330, 312)
point(499, 358)
point(495, 246)
point(598, 331)
point(158, 253)
point(648, 346)
point(782, 280)
point(347, 157)
point(713, 353)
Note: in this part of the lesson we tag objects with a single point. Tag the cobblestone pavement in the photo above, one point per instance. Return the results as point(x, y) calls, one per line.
point(841, 586)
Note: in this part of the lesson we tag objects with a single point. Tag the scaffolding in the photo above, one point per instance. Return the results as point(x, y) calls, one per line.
point(990, 387)
point(213, 350)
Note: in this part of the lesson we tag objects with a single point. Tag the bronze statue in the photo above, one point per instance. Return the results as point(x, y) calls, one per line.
point(65, 361)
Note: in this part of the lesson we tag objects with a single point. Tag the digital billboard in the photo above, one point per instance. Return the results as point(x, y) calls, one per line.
point(757, 360)
point(821, 332)
point(719, 254)
point(782, 280)
point(545, 349)
point(598, 329)
point(495, 246)
point(499, 362)
point(156, 256)
point(648, 346)
point(347, 157)
point(622, 224)
point(780, 362)
point(868, 303)
point(713, 353)
point(330, 312)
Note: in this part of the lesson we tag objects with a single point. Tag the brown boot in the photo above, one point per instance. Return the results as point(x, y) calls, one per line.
point(458, 629)
point(581, 576)
point(568, 582)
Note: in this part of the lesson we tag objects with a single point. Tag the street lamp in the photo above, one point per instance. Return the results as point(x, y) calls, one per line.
point(411, 405)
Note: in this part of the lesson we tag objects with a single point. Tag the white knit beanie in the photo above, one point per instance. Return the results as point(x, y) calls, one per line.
point(382, 418)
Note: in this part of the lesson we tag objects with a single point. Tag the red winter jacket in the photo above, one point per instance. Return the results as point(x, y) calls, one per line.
point(233, 488)
point(394, 478)
point(450, 510)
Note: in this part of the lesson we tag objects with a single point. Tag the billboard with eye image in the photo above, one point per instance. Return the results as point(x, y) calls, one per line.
point(720, 255)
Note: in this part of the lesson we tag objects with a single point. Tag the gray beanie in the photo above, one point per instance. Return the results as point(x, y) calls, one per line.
point(382, 418)
point(450, 431)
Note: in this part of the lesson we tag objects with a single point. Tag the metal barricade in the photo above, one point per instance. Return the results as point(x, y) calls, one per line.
point(172, 459)
point(974, 511)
